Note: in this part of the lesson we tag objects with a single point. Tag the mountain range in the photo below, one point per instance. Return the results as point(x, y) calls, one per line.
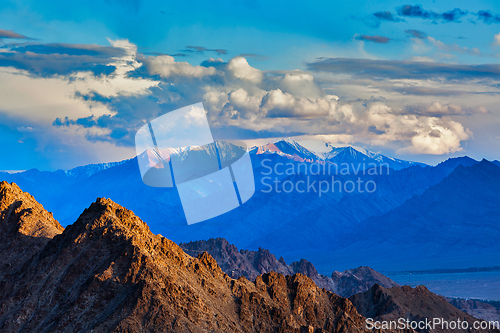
point(251, 264)
point(336, 231)
point(107, 272)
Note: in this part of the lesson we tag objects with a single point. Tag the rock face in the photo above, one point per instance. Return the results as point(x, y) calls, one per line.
point(108, 273)
point(25, 228)
point(357, 280)
point(414, 304)
point(250, 264)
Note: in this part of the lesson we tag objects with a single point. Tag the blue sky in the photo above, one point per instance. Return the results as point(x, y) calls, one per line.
point(417, 81)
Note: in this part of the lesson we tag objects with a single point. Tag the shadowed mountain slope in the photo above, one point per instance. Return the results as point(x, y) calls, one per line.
point(454, 222)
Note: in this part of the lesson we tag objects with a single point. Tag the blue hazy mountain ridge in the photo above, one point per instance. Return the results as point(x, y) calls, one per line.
point(293, 225)
point(454, 223)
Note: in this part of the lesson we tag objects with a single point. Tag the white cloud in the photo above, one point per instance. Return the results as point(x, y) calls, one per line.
point(301, 85)
point(496, 39)
point(235, 95)
point(43, 99)
point(438, 108)
point(34, 102)
point(419, 134)
point(246, 98)
point(240, 69)
point(166, 66)
point(437, 137)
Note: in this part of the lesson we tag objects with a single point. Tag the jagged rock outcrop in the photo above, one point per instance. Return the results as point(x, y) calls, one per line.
point(415, 304)
point(108, 273)
point(357, 280)
point(250, 264)
point(25, 228)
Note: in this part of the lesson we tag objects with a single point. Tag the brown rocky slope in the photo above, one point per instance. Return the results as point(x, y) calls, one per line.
point(415, 304)
point(108, 273)
point(250, 264)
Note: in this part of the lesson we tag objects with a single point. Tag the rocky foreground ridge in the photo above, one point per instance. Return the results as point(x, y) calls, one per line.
point(108, 273)
point(414, 304)
point(390, 301)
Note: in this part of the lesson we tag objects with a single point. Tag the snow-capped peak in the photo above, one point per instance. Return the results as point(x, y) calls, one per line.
point(320, 151)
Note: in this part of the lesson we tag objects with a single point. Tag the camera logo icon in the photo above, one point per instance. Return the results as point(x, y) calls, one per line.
point(177, 150)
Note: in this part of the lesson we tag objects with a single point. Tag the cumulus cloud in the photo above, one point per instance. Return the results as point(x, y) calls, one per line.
point(376, 123)
point(436, 136)
point(279, 104)
point(167, 67)
point(437, 108)
point(240, 69)
point(426, 135)
point(242, 101)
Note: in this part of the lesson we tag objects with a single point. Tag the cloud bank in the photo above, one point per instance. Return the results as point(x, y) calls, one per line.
point(107, 107)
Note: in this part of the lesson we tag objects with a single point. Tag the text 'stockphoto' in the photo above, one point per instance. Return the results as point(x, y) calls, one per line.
point(254, 166)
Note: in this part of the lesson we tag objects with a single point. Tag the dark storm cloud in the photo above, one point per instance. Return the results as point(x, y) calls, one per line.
point(487, 17)
point(130, 114)
point(416, 11)
point(387, 16)
point(60, 59)
point(71, 49)
point(50, 64)
point(416, 33)
point(392, 69)
point(374, 39)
